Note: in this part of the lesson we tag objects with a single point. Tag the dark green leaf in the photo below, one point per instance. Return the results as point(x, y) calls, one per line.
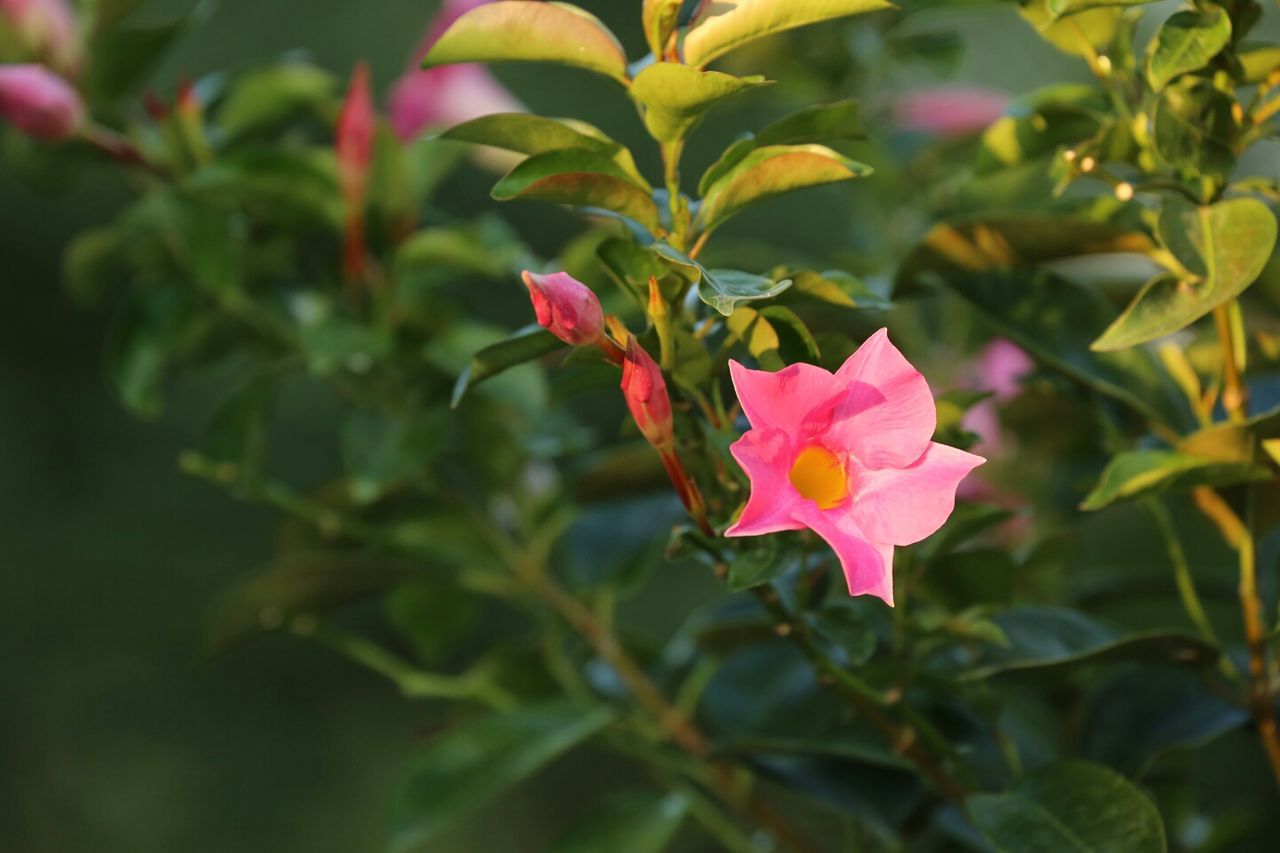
point(122, 57)
point(756, 565)
point(475, 761)
point(1045, 637)
point(848, 630)
point(435, 616)
point(1070, 806)
point(723, 290)
point(380, 452)
point(631, 266)
point(1138, 473)
point(518, 31)
point(143, 342)
point(264, 98)
point(533, 342)
point(627, 823)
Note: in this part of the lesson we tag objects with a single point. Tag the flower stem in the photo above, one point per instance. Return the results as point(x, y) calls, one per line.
point(1235, 396)
point(1239, 535)
point(671, 154)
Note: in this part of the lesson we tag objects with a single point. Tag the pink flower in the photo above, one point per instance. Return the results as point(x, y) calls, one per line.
point(848, 456)
point(39, 102)
point(950, 110)
point(48, 28)
point(999, 368)
point(566, 307)
point(450, 94)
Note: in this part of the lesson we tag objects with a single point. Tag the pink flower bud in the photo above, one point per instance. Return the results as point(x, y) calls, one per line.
point(566, 307)
point(646, 394)
point(950, 110)
point(357, 124)
point(48, 29)
point(39, 102)
point(451, 94)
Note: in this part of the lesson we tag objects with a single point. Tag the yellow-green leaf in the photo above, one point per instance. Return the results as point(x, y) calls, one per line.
point(581, 178)
point(733, 23)
point(520, 31)
point(1186, 42)
point(675, 96)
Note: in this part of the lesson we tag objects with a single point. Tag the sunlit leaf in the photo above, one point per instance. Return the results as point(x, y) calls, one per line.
point(579, 177)
point(675, 97)
point(734, 23)
point(1186, 42)
point(520, 31)
point(660, 18)
point(723, 290)
point(1136, 473)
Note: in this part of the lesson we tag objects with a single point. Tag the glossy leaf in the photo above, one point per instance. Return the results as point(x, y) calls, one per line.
point(1224, 246)
point(723, 290)
point(992, 265)
point(1041, 638)
point(627, 823)
point(473, 762)
point(526, 345)
point(530, 134)
point(1071, 805)
point(1086, 32)
point(520, 31)
point(734, 23)
point(579, 177)
point(771, 171)
point(675, 97)
point(1136, 473)
point(1187, 41)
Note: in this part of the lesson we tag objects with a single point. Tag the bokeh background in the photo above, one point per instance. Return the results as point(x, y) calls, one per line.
point(119, 731)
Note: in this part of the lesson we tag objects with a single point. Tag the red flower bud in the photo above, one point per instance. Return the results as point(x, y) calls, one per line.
point(646, 394)
point(39, 102)
point(357, 124)
point(566, 307)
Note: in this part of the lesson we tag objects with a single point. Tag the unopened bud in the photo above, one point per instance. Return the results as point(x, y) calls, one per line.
point(39, 102)
point(646, 394)
point(566, 307)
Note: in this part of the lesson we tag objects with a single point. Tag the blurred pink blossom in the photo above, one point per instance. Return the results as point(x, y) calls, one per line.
point(48, 27)
point(39, 102)
point(848, 456)
point(949, 110)
point(450, 94)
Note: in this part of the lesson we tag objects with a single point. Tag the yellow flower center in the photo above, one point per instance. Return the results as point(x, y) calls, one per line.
point(818, 475)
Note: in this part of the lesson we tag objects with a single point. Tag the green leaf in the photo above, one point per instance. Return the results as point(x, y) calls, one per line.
point(1063, 8)
point(264, 98)
point(279, 184)
point(630, 266)
point(795, 341)
point(580, 177)
point(627, 823)
point(1137, 473)
point(723, 290)
point(526, 345)
point(848, 630)
point(771, 171)
point(435, 616)
point(121, 58)
point(530, 134)
point(485, 247)
point(1085, 33)
point(519, 31)
point(746, 324)
point(675, 97)
point(379, 452)
point(301, 584)
point(835, 287)
point(1187, 41)
point(756, 565)
point(992, 265)
point(1224, 247)
point(1069, 806)
point(660, 18)
point(473, 762)
point(1043, 638)
point(1194, 132)
point(1041, 122)
point(1258, 60)
point(734, 23)
point(819, 123)
point(144, 340)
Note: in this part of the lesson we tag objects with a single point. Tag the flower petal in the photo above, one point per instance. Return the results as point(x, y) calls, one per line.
point(904, 505)
point(887, 416)
point(785, 399)
point(868, 567)
point(765, 454)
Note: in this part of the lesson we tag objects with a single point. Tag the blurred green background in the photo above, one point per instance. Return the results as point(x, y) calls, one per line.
point(120, 732)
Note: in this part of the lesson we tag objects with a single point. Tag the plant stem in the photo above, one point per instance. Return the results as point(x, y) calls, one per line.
point(864, 700)
point(1239, 535)
point(671, 154)
point(676, 726)
point(1235, 396)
